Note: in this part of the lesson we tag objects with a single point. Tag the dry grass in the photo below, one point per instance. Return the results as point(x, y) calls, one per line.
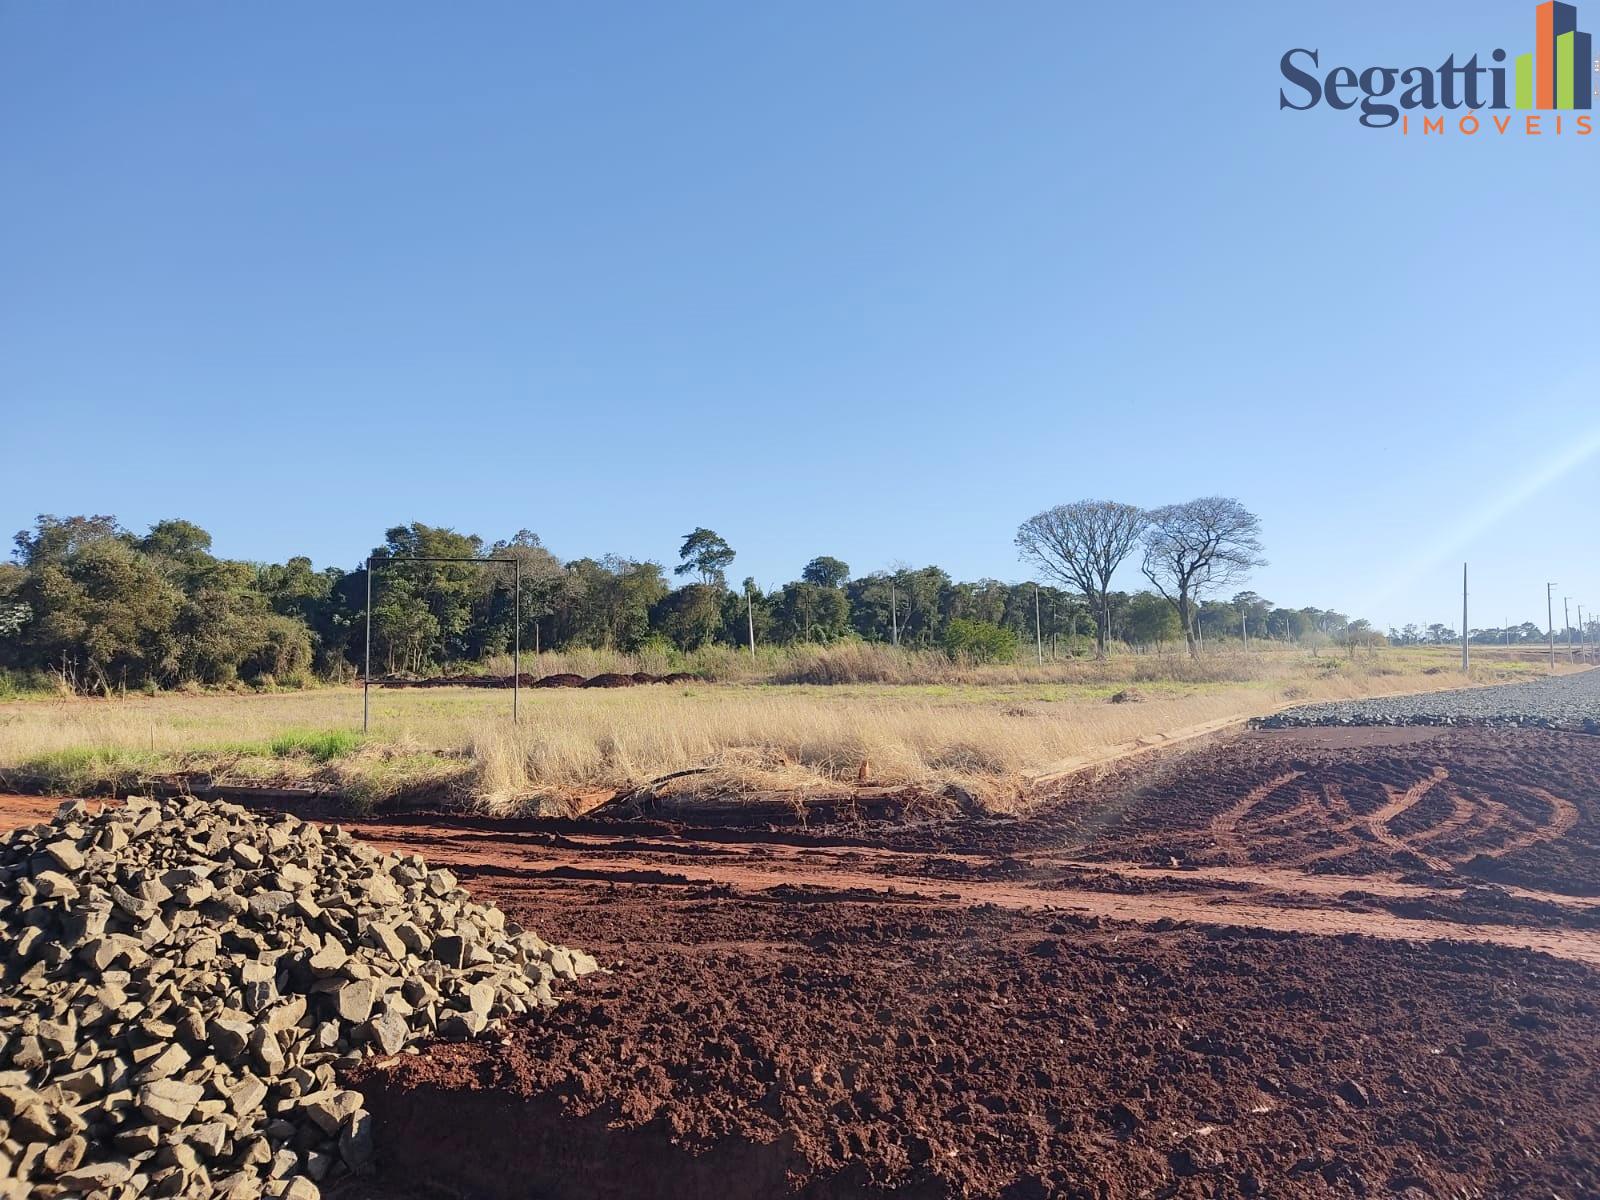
point(989, 730)
point(870, 662)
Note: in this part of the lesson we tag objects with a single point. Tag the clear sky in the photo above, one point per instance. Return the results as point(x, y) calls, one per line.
point(873, 280)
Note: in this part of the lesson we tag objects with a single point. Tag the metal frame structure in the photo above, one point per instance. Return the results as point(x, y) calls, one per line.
point(516, 626)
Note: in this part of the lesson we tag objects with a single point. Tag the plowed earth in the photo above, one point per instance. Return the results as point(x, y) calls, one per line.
point(1300, 963)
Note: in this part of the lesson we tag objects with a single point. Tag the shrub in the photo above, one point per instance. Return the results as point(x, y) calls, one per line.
point(979, 642)
point(15, 685)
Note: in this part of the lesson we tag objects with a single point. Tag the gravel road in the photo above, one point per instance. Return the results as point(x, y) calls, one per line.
point(1563, 702)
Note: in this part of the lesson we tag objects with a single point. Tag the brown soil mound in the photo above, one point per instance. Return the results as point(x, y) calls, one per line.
point(813, 1046)
point(563, 680)
point(477, 681)
point(682, 677)
point(645, 677)
point(609, 680)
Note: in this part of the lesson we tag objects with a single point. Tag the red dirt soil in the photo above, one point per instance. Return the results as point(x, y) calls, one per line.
point(1202, 976)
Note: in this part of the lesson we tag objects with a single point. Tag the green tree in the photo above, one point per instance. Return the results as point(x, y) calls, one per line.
point(811, 612)
point(181, 541)
point(495, 624)
point(1151, 621)
point(690, 617)
point(54, 539)
point(706, 554)
point(826, 571)
point(450, 593)
point(103, 615)
point(606, 603)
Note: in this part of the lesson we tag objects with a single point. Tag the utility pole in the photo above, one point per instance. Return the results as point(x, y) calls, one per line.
point(1566, 622)
point(516, 653)
point(1466, 654)
point(894, 618)
point(366, 670)
point(1550, 621)
point(1583, 652)
point(1038, 630)
point(750, 617)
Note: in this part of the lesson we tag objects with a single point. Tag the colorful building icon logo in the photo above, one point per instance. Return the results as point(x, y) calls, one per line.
point(1556, 74)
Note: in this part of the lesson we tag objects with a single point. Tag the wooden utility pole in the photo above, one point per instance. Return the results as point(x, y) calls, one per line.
point(1566, 622)
point(750, 616)
point(1466, 653)
point(894, 618)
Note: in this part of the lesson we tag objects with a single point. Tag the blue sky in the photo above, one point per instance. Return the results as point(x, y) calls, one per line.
point(872, 280)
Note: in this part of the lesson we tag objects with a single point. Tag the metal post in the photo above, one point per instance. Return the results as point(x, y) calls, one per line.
point(516, 652)
point(750, 616)
point(1038, 632)
point(1466, 653)
point(366, 670)
point(1550, 622)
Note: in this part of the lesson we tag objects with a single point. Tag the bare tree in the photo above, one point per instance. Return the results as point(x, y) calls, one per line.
point(1202, 546)
point(1081, 545)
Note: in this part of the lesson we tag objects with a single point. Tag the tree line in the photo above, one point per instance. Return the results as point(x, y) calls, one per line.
point(104, 608)
point(1525, 634)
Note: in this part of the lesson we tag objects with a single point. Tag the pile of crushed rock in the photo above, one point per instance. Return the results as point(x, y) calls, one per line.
point(180, 979)
point(1559, 702)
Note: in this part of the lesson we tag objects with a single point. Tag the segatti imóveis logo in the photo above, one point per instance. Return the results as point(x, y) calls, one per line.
point(1547, 91)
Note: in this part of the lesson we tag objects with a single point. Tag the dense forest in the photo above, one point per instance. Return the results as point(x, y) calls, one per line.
point(101, 607)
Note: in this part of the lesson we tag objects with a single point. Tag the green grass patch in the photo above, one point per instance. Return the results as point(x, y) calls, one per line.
point(320, 745)
point(84, 769)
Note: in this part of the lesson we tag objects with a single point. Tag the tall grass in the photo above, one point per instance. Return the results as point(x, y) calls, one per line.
point(319, 745)
point(873, 662)
point(850, 712)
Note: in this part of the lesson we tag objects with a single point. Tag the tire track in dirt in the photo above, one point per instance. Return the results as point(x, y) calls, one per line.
point(1464, 809)
point(1225, 825)
point(1401, 802)
point(845, 878)
point(1343, 820)
point(1563, 816)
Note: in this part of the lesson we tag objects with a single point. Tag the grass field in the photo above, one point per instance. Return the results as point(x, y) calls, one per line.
point(988, 729)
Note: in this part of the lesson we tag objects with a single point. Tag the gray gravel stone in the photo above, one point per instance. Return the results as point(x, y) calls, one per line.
point(179, 979)
point(1567, 702)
